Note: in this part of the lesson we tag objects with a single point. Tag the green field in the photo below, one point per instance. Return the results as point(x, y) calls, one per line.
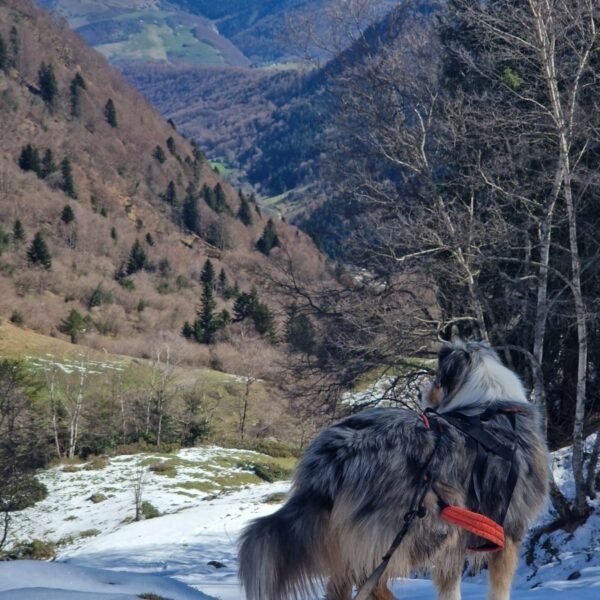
point(162, 37)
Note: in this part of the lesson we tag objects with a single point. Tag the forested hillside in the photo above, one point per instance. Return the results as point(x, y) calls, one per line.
point(115, 227)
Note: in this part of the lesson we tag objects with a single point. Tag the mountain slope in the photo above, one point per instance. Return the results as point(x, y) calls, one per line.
point(125, 191)
point(147, 30)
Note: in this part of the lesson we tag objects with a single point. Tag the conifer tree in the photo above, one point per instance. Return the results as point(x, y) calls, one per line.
point(47, 83)
point(38, 252)
point(149, 239)
point(245, 211)
point(68, 183)
point(159, 154)
point(221, 205)
point(171, 145)
point(263, 320)
point(67, 216)
point(77, 84)
point(15, 46)
point(206, 324)
point(209, 196)
point(48, 165)
point(269, 238)
point(223, 281)
point(170, 194)
point(244, 305)
point(73, 325)
point(29, 159)
point(110, 113)
point(3, 54)
point(187, 331)
point(18, 232)
point(299, 332)
point(207, 277)
point(190, 213)
point(137, 258)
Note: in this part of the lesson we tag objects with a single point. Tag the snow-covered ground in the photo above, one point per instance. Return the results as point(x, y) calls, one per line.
point(170, 555)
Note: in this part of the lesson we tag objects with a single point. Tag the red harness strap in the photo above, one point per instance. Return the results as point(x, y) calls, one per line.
point(476, 523)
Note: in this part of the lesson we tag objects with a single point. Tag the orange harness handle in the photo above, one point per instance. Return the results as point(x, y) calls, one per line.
point(476, 523)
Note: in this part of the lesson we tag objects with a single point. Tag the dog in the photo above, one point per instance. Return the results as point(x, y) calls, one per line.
point(356, 480)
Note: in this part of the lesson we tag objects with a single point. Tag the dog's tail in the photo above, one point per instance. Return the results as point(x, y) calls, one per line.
point(284, 555)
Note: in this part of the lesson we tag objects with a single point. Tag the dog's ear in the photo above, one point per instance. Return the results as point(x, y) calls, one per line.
point(452, 365)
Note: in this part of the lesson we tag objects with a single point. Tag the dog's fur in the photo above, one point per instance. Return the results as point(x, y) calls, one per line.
point(355, 483)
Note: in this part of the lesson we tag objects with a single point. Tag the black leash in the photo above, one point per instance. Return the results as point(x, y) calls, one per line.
point(417, 509)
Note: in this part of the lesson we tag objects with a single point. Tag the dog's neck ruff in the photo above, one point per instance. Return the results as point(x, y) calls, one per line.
point(488, 383)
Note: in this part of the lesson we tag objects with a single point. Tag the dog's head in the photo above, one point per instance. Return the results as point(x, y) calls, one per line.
point(470, 373)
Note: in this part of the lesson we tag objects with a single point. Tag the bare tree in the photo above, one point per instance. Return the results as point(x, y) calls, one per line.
point(463, 154)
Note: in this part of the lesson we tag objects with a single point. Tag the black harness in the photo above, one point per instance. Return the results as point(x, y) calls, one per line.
point(473, 428)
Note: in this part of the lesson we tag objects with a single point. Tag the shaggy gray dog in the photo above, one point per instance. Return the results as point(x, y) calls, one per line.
point(358, 478)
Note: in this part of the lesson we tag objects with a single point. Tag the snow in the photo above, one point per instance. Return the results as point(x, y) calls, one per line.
point(170, 555)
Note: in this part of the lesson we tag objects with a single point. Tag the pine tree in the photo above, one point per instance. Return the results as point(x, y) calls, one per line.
point(244, 305)
point(221, 205)
point(18, 232)
point(190, 213)
point(67, 216)
point(245, 211)
point(110, 113)
point(170, 194)
point(77, 84)
point(207, 277)
point(29, 159)
point(15, 46)
point(269, 238)
point(73, 325)
point(223, 281)
point(159, 154)
point(209, 196)
point(224, 318)
point(149, 239)
point(137, 258)
point(187, 330)
point(47, 83)
point(3, 54)
point(263, 320)
point(299, 332)
point(206, 324)
point(171, 145)
point(48, 165)
point(38, 252)
point(68, 183)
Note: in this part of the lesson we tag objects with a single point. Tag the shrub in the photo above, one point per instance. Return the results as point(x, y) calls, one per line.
point(33, 550)
point(30, 492)
point(149, 511)
point(163, 468)
point(272, 472)
point(97, 463)
point(99, 297)
point(127, 283)
point(89, 533)
point(97, 498)
point(17, 318)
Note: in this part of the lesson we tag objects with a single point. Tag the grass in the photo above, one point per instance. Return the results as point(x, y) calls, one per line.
point(163, 36)
point(220, 389)
point(223, 168)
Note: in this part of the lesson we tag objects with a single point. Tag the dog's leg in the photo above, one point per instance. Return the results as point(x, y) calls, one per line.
point(339, 589)
point(447, 574)
point(502, 567)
